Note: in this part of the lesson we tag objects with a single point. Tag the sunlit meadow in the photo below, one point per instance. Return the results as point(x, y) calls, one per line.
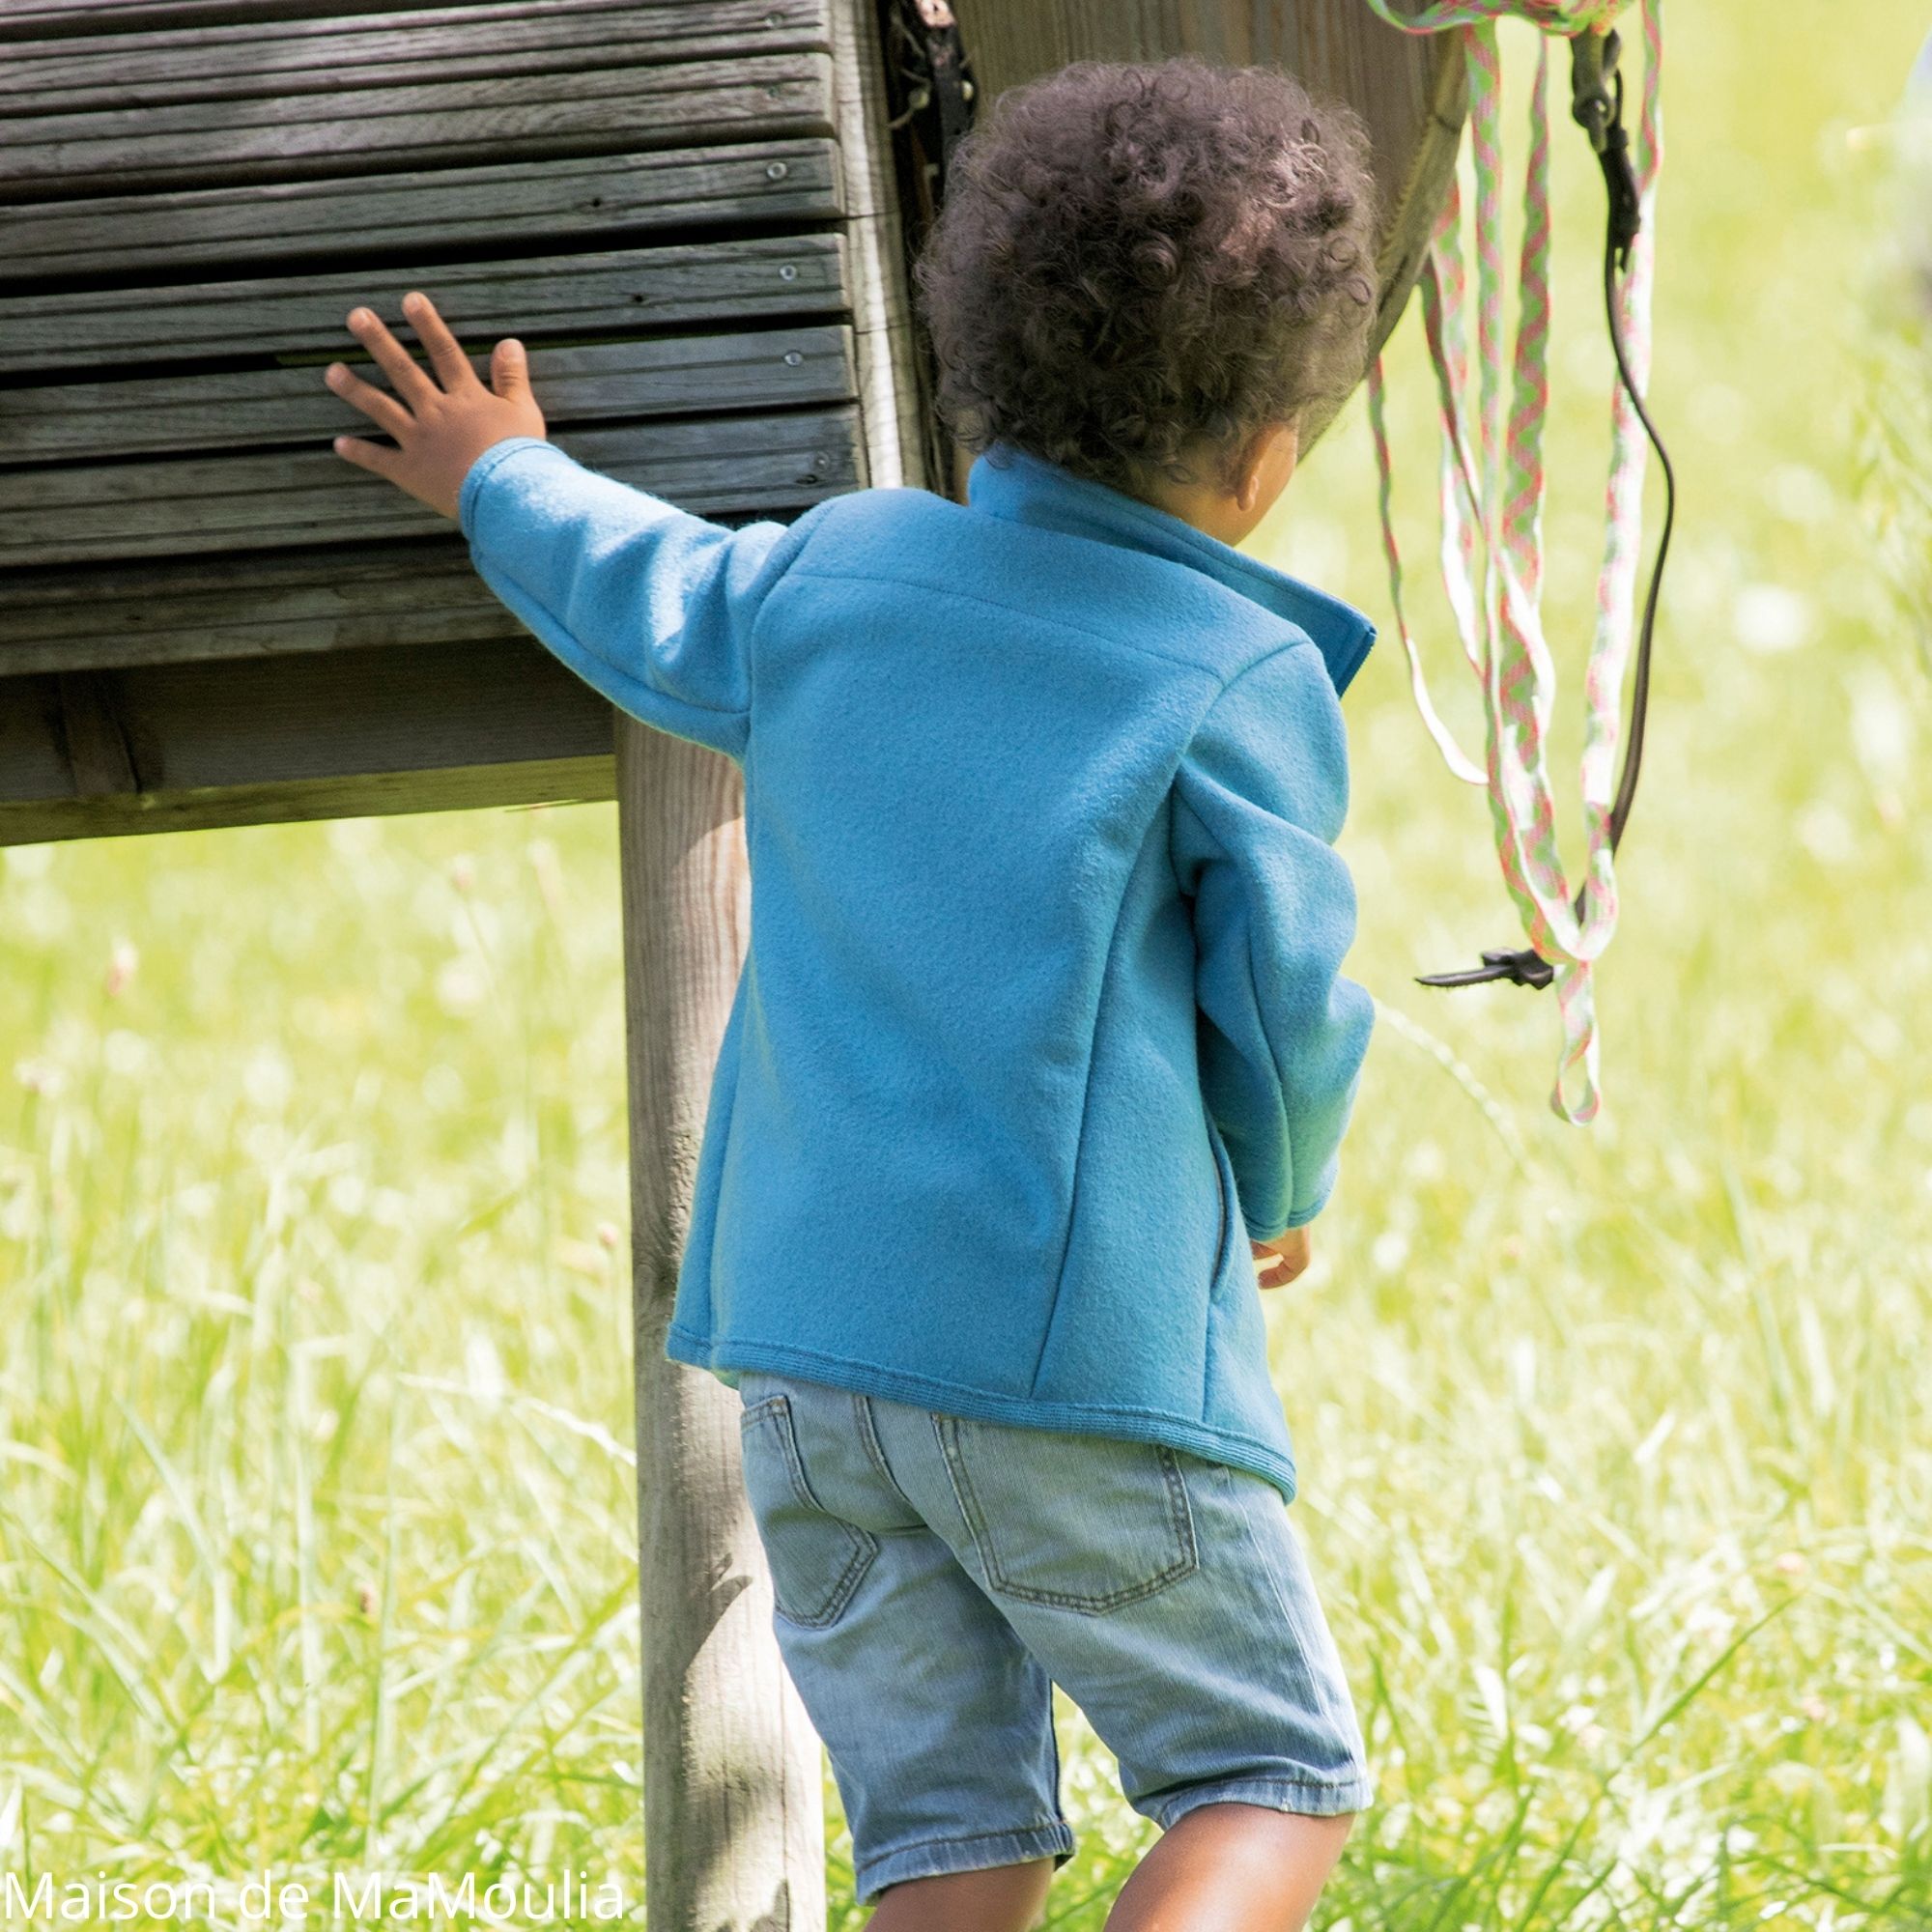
point(317, 1531)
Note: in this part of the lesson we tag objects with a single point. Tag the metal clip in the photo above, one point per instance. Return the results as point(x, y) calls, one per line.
point(1597, 106)
point(1593, 65)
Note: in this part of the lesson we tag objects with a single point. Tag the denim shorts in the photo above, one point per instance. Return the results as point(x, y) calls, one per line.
point(935, 1575)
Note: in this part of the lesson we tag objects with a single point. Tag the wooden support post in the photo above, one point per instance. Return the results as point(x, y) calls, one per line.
point(892, 407)
point(733, 1797)
point(734, 1800)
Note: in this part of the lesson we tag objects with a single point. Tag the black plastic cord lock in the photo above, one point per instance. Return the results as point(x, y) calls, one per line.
point(1526, 968)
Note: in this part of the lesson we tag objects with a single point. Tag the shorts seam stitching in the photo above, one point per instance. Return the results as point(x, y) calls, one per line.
point(863, 1546)
point(1284, 1598)
point(868, 1436)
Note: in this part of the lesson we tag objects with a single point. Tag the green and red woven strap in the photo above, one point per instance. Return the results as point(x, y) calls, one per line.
point(1493, 482)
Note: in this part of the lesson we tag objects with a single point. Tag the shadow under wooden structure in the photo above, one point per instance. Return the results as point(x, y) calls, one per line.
point(692, 214)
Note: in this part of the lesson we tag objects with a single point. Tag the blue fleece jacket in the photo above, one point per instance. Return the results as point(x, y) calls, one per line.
point(1040, 1015)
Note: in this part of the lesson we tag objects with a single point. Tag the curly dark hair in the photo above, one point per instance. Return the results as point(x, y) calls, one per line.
point(1139, 259)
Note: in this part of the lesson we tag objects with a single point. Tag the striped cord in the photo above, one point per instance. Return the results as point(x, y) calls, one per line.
point(1498, 489)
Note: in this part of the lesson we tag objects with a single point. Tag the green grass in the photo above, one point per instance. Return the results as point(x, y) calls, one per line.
point(316, 1515)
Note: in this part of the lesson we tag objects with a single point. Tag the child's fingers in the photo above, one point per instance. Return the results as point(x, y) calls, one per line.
point(401, 367)
point(446, 352)
point(370, 456)
point(510, 370)
point(380, 408)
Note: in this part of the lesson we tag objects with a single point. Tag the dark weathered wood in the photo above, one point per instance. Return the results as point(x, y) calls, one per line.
point(293, 801)
point(680, 375)
point(164, 611)
point(41, 19)
point(99, 756)
point(373, 129)
point(387, 596)
point(733, 1817)
point(610, 294)
point(480, 722)
point(421, 215)
point(119, 72)
point(71, 514)
point(1407, 88)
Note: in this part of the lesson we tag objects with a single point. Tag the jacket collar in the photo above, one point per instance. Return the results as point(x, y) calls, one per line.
point(1026, 489)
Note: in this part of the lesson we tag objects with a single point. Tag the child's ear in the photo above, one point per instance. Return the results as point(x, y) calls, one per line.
point(1268, 463)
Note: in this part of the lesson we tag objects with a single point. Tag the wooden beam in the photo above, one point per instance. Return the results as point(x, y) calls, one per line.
point(106, 74)
point(186, 746)
point(81, 512)
point(297, 802)
point(421, 215)
point(30, 24)
point(613, 293)
point(680, 375)
point(93, 737)
point(893, 408)
point(42, 19)
point(621, 106)
point(390, 596)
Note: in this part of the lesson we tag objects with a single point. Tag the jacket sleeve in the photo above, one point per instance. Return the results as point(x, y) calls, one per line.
point(651, 604)
point(1259, 800)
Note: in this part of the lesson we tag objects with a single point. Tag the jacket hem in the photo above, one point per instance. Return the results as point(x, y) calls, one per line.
point(1134, 1425)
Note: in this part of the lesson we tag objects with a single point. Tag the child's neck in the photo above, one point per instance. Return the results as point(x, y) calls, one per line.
point(1213, 511)
point(1263, 471)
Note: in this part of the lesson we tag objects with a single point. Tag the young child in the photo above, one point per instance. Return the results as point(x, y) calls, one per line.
point(1042, 1013)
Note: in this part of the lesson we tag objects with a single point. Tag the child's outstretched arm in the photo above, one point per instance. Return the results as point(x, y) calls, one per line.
point(647, 603)
point(1259, 797)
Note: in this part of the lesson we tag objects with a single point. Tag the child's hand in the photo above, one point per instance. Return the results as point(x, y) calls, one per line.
point(440, 431)
point(1285, 1258)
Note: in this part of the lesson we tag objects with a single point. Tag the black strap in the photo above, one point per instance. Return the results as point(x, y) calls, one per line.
point(932, 95)
point(1601, 114)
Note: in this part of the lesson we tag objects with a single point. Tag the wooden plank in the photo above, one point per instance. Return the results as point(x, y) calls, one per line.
point(624, 105)
point(682, 374)
point(613, 293)
point(421, 215)
point(103, 75)
point(44, 20)
point(494, 722)
point(390, 596)
point(286, 801)
point(76, 514)
point(382, 596)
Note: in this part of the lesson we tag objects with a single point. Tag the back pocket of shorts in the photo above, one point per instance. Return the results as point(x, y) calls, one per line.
point(817, 1558)
point(1081, 1522)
